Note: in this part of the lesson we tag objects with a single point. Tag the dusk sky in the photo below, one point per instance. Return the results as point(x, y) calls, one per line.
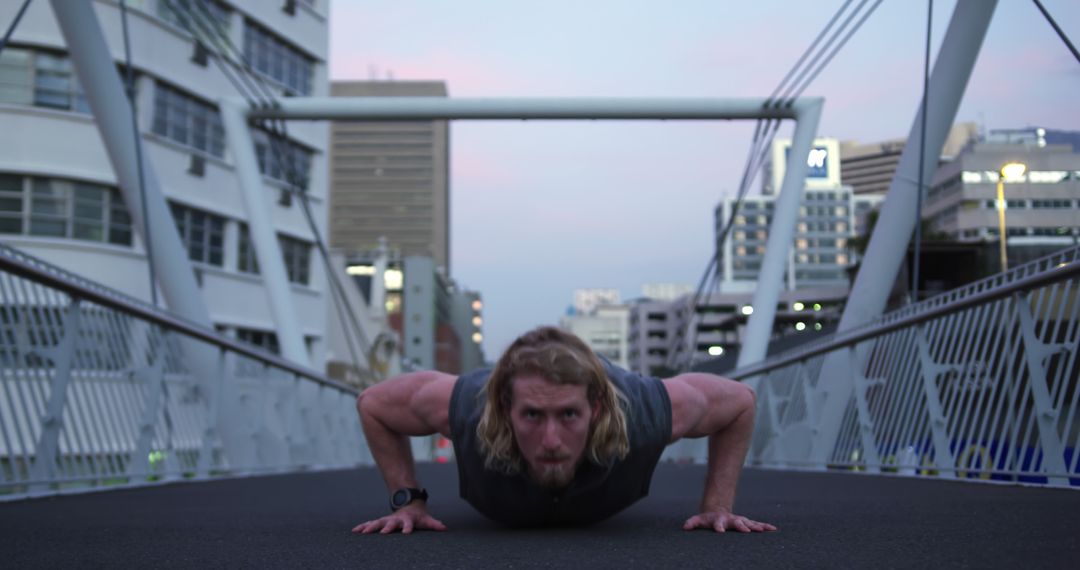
point(541, 208)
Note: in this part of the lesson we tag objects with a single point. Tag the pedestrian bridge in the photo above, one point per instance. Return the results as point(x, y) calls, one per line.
point(943, 433)
point(304, 521)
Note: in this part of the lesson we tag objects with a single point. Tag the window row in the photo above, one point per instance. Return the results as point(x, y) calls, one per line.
point(203, 235)
point(277, 59)
point(282, 159)
point(40, 78)
point(195, 14)
point(51, 207)
point(47, 79)
point(296, 254)
point(1031, 177)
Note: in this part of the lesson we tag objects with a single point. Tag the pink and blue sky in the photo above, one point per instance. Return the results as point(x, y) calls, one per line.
point(541, 208)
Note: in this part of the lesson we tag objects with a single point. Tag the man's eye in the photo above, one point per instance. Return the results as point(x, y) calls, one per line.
point(570, 414)
point(531, 414)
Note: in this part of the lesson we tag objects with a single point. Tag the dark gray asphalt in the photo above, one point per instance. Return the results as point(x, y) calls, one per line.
point(833, 520)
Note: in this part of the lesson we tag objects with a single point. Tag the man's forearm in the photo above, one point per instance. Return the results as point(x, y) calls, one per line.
point(392, 451)
point(727, 451)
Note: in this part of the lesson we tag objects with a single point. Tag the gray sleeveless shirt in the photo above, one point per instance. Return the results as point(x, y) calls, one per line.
point(597, 492)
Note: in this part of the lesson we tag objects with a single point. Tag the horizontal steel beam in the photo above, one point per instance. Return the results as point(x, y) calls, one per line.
point(491, 108)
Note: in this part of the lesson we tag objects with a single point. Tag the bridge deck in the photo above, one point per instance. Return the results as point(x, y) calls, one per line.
point(303, 520)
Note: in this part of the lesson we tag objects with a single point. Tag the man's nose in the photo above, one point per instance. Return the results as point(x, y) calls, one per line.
point(551, 439)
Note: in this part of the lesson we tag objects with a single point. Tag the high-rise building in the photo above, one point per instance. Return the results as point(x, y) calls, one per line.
point(587, 300)
point(665, 291)
point(821, 252)
point(604, 329)
point(391, 178)
point(59, 198)
point(666, 337)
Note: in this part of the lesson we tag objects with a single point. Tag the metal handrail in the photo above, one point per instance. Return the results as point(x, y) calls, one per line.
point(23, 265)
point(870, 331)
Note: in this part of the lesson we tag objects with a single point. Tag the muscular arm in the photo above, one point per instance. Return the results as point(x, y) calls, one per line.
point(412, 404)
point(704, 405)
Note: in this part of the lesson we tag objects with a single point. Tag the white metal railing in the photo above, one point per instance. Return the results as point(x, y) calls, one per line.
point(977, 383)
point(101, 390)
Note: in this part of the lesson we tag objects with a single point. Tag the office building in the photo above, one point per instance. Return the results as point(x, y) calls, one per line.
point(605, 329)
point(667, 337)
point(1042, 206)
point(59, 198)
point(868, 168)
point(391, 179)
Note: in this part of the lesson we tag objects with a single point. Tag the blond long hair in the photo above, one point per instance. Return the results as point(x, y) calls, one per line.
point(562, 358)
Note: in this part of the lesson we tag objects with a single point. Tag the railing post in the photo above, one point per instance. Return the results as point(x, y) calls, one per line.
point(885, 252)
point(1046, 415)
point(52, 423)
point(211, 435)
point(153, 378)
point(865, 420)
point(943, 457)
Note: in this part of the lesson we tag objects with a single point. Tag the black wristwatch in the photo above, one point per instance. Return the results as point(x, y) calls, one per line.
point(406, 495)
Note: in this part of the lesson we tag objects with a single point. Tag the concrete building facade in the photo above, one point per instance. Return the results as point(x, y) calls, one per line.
point(59, 198)
point(391, 179)
point(1041, 207)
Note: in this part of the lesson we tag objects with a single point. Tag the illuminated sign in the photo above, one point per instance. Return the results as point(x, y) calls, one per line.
point(817, 163)
point(822, 165)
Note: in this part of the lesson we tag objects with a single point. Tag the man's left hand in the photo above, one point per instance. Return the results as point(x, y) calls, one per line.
point(722, 521)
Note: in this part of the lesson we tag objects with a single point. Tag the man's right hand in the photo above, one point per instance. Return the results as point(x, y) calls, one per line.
point(405, 519)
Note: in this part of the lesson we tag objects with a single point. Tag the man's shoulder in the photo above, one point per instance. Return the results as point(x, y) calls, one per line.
point(466, 400)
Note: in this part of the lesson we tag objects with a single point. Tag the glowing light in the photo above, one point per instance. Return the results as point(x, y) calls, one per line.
point(797, 306)
point(1013, 171)
point(477, 321)
point(360, 270)
point(800, 326)
point(477, 305)
point(716, 351)
point(393, 279)
point(817, 306)
point(747, 310)
point(817, 326)
point(477, 337)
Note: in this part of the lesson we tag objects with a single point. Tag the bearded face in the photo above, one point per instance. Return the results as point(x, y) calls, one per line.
point(551, 425)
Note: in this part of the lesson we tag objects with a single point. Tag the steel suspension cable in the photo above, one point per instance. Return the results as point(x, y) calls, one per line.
point(1057, 28)
point(254, 89)
point(764, 132)
point(14, 24)
point(130, 88)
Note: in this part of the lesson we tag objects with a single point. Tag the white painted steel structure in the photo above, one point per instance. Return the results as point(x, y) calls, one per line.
point(97, 390)
point(806, 112)
point(982, 382)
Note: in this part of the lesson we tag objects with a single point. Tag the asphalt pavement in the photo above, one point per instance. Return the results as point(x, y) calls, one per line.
point(833, 520)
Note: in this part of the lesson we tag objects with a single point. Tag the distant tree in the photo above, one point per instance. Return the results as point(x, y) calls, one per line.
point(861, 242)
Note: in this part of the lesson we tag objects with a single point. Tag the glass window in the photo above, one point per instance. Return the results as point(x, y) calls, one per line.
point(187, 120)
point(62, 208)
point(297, 254)
point(16, 76)
point(278, 156)
point(266, 340)
point(202, 233)
point(11, 204)
point(276, 59)
point(185, 13)
point(246, 258)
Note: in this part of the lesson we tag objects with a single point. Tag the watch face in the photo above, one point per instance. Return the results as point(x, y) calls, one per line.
point(400, 498)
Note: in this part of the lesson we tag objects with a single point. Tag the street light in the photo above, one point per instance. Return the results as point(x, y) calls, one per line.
point(1013, 171)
